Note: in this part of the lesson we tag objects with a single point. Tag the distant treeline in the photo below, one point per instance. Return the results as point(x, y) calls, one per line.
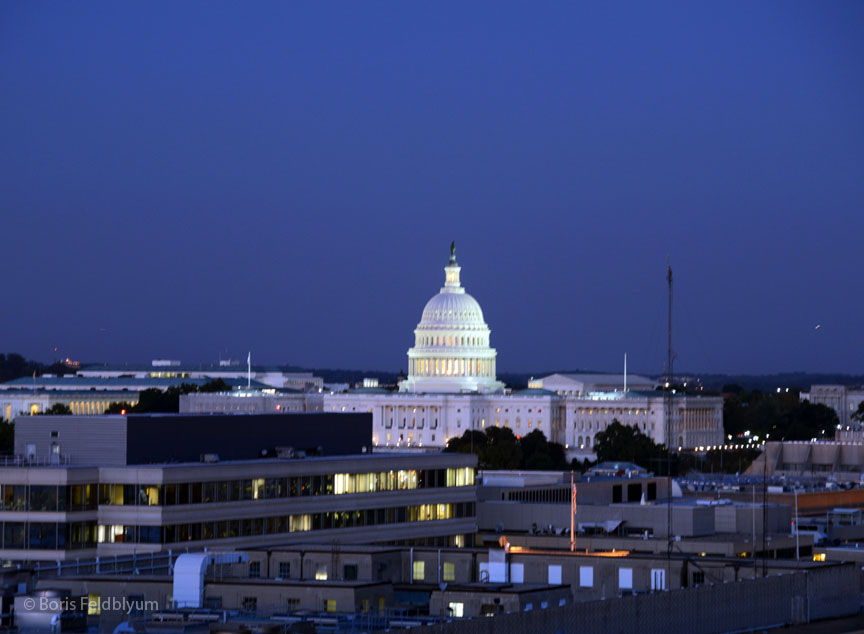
point(14, 366)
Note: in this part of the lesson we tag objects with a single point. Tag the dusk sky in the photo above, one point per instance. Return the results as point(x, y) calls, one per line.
point(190, 179)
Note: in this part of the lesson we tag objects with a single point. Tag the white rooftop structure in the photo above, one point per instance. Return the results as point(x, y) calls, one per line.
point(586, 384)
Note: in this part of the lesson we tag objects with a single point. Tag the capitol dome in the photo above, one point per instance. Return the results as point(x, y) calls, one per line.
point(451, 350)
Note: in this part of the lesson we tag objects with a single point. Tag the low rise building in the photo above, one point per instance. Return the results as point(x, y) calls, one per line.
point(843, 399)
point(229, 371)
point(115, 485)
point(264, 401)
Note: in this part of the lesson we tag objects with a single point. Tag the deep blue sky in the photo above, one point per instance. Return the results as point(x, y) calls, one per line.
point(179, 179)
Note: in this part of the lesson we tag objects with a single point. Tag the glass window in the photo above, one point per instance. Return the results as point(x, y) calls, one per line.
point(43, 498)
point(449, 572)
point(419, 572)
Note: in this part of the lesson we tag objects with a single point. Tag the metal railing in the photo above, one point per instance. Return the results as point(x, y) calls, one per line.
point(21, 460)
point(135, 564)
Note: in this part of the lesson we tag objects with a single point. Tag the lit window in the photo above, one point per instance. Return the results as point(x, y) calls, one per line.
point(625, 578)
point(419, 571)
point(449, 572)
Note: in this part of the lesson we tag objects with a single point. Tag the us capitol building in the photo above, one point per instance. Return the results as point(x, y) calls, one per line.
point(452, 387)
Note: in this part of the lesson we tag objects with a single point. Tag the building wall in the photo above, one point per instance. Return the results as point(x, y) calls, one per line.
point(430, 420)
point(245, 504)
point(83, 440)
point(250, 402)
point(15, 403)
point(842, 399)
point(158, 438)
point(723, 607)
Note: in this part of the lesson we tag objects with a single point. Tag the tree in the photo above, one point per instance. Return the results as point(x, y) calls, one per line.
point(776, 416)
point(58, 409)
point(538, 453)
point(155, 400)
point(216, 385)
point(499, 448)
point(858, 416)
point(7, 437)
point(808, 421)
point(503, 450)
point(624, 443)
point(470, 441)
point(118, 407)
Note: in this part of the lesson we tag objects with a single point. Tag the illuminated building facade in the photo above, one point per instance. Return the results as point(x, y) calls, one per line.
point(452, 387)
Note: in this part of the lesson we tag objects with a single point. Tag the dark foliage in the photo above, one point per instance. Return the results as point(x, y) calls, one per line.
point(500, 448)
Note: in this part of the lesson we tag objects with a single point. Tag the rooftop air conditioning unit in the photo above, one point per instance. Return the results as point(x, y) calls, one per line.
point(209, 457)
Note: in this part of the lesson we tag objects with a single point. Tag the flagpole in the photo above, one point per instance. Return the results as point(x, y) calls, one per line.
point(572, 513)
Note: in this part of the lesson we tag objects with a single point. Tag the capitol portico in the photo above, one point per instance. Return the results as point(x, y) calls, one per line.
point(452, 387)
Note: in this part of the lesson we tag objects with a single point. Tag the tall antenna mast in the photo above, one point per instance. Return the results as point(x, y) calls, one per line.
point(249, 371)
point(625, 374)
point(668, 417)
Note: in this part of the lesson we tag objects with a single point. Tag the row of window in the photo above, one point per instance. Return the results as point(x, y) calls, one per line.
point(603, 424)
point(48, 535)
point(61, 536)
point(21, 497)
point(451, 367)
point(450, 341)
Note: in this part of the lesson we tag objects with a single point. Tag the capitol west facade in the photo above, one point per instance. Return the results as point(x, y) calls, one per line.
point(452, 387)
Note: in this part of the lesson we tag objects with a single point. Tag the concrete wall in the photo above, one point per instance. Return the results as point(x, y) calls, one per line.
point(183, 438)
point(83, 440)
point(116, 440)
point(737, 606)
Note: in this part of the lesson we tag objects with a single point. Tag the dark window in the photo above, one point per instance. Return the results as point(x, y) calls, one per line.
point(213, 603)
point(698, 578)
point(284, 570)
point(43, 535)
point(136, 604)
point(43, 498)
point(13, 535)
point(634, 492)
point(652, 491)
point(350, 572)
point(250, 604)
point(616, 493)
point(255, 570)
point(148, 534)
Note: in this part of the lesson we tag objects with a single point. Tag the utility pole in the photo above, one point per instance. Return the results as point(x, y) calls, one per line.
point(668, 421)
point(797, 545)
point(572, 513)
point(764, 504)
